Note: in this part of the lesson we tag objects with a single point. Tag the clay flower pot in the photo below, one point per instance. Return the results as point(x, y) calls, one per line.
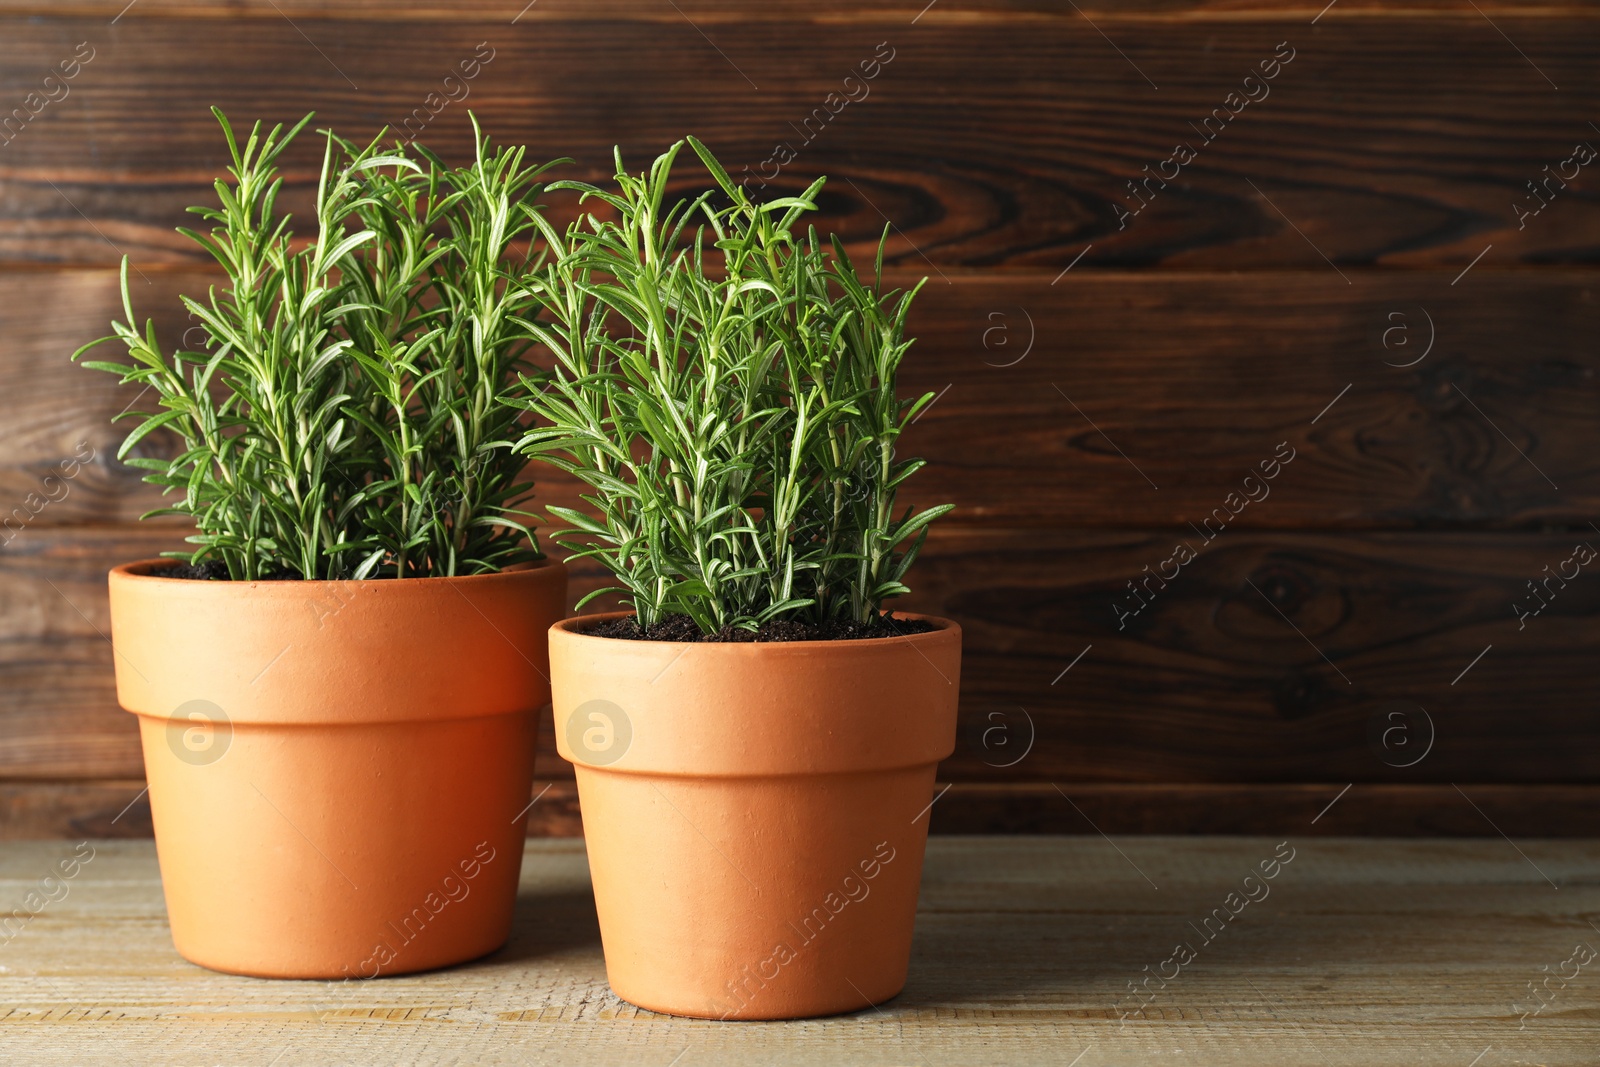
point(755, 814)
point(339, 771)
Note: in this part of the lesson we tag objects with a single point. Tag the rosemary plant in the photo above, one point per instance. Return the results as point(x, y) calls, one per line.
point(343, 417)
point(725, 388)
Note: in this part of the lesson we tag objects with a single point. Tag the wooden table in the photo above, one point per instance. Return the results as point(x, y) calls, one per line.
point(1360, 952)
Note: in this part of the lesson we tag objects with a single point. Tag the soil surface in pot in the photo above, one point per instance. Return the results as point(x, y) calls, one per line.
point(214, 570)
point(683, 628)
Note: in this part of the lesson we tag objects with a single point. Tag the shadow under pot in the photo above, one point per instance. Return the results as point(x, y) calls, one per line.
point(755, 814)
point(339, 771)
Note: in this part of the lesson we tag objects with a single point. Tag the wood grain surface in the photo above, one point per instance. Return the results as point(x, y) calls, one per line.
point(1375, 266)
point(119, 808)
point(1221, 678)
point(1038, 12)
point(1104, 400)
point(1360, 953)
point(992, 139)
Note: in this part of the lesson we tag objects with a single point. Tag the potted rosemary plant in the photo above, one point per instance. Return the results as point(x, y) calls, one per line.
point(337, 686)
point(755, 742)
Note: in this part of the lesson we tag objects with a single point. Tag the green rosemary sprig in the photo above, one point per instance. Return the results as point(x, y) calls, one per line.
point(343, 416)
point(725, 387)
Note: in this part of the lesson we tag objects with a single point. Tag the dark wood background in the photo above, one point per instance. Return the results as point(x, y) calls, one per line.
point(1360, 215)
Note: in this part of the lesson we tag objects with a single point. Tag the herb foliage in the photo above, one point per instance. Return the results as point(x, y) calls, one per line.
point(724, 386)
point(344, 416)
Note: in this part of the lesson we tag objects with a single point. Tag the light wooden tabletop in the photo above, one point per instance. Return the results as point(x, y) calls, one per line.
point(1357, 952)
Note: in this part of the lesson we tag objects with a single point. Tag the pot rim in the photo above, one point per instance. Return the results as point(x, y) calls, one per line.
point(335, 653)
point(757, 710)
point(140, 571)
point(943, 629)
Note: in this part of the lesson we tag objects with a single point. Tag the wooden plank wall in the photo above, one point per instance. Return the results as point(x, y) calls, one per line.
point(1373, 272)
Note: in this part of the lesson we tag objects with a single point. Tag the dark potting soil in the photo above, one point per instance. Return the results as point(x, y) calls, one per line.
point(214, 570)
point(683, 628)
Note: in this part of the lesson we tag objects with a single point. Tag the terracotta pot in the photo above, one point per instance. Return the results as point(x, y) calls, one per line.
point(339, 771)
point(755, 814)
